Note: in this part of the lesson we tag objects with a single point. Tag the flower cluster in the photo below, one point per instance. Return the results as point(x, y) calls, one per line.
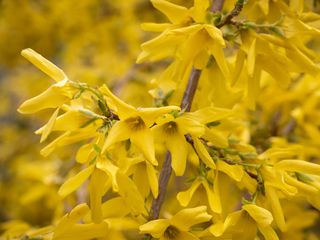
point(240, 170)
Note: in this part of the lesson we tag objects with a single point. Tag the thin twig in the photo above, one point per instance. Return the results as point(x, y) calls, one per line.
point(235, 12)
point(163, 183)
point(190, 89)
point(166, 168)
point(186, 103)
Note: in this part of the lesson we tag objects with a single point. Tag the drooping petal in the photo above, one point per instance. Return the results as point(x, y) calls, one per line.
point(277, 211)
point(74, 182)
point(83, 232)
point(268, 232)
point(54, 97)
point(129, 191)
point(76, 214)
point(96, 191)
point(109, 168)
point(209, 114)
point(216, 137)
point(217, 51)
point(203, 153)
point(298, 166)
point(153, 180)
point(185, 197)
point(49, 126)
point(213, 195)
point(186, 218)
point(119, 132)
point(198, 11)
point(251, 58)
point(143, 139)
point(178, 148)
point(115, 207)
point(215, 34)
point(190, 125)
point(44, 65)
point(234, 171)
point(175, 13)
point(156, 227)
point(262, 216)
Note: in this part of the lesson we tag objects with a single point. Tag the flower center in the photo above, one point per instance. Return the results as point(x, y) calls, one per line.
point(170, 128)
point(171, 232)
point(135, 123)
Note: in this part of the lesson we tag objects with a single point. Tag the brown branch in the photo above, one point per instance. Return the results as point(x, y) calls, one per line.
point(190, 89)
point(235, 12)
point(186, 103)
point(217, 6)
point(166, 168)
point(163, 183)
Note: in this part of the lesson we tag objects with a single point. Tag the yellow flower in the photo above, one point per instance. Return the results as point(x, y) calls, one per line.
point(243, 224)
point(171, 131)
point(56, 95)
point(193, 44)
point(178, 226)
point(199, 185)
point(134, 124)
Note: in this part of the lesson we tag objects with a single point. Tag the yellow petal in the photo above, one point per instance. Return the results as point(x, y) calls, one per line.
point(143, 139)
point(123, 109)
point(215, 34)
point(119, 132)
point(262, 216)
point(298, 166)
point(175, 13)
point(115, 207)
point(96, 191)
point(268, 233)
point(185, 197)
point(53, 97)
point(178, 148)
point(48, 127)
point(153, 179)
point(129, 191)
point(156, 227)
point(44, 65)
point(234, 171)
point(302, 187)
point(209, 114)
point(85, 153)
point(74, 182)
point(150, 115)
point(203, 153)
point(217, 51)
point(186, 218)
point(190, 125)
point(71, 218)
point(199, 10)
point(109, 168)
point(84, 232)
point(276, 208)
point(216, 138)
point(213, 195)
point(251, 58)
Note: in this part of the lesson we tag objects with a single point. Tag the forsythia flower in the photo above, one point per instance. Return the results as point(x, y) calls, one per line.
point(178, 226)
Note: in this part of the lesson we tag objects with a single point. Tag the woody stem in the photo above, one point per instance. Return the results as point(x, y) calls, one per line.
point(186, 103)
